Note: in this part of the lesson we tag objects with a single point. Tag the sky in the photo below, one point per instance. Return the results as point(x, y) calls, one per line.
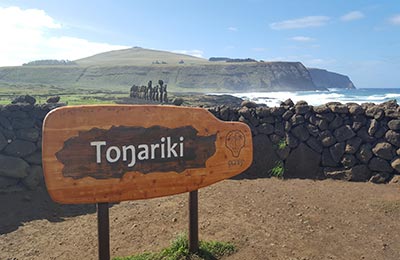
point(357, 38)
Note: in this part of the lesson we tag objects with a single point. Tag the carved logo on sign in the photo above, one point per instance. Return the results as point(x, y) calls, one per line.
point(235, 141)
point(111, 153)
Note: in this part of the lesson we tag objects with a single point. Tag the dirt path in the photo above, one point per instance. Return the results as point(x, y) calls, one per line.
point(264, 218)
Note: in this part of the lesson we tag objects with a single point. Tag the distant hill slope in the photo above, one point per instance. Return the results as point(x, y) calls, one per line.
point(118, 70)
point(137, 56)
point(327, 79)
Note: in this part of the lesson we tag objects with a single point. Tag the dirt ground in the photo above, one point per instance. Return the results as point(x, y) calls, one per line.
point(264, 218)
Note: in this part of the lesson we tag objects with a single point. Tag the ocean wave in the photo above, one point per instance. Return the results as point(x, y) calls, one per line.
point(322, 97)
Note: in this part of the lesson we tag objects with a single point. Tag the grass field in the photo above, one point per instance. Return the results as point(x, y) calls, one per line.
point(71, 96)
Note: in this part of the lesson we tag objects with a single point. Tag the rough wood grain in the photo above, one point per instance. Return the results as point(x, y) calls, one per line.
point(212, 150)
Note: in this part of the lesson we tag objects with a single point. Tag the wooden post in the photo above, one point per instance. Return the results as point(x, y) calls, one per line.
point(103, 227)
point(193, 222)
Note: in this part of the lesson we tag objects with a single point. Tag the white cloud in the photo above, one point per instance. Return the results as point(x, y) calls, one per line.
point(304, 22)
point(195, 53)
point(395, 20)
point(28, 37)
point(302, 39)
point(354, 15)
point(233, 29)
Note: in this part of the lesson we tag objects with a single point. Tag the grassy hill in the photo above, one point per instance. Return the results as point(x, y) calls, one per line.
point(137, 56)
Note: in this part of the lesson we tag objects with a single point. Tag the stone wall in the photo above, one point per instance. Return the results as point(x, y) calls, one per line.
point(341, 141)
point(21, 144)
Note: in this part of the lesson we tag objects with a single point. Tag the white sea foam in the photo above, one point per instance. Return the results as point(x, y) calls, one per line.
point(321, 97)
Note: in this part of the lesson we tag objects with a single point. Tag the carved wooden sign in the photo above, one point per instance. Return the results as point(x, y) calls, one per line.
point(112, 153)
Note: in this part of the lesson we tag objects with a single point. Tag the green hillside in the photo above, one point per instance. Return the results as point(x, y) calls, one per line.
point(139, 57)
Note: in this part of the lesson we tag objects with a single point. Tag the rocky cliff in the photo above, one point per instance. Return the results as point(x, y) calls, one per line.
point(327, 79)
point(272, 76)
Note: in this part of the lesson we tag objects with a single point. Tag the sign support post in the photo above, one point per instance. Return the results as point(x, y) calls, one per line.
point(103, 227)
point(193, 222)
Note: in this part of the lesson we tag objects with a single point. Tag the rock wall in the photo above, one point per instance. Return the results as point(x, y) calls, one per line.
point(340, 141)
point(21, 144)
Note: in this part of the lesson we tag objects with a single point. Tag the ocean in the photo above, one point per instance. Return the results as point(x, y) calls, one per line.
point(362, 95)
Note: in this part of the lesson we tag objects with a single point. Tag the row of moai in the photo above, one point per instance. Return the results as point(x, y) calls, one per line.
point(150, 92)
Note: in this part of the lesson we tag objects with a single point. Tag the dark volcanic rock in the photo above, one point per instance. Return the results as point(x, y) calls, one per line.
point(20, 148)
point(348, 160)
point(352, 145)
point(3, 141)
point(337, 151)
point(379, 165)
point(265, 129)
point(303, 162)
point(339, 108)
point(54, 99)
point(360, 173)
point(343, 133)
point(5, 123)
point(19, 123)
point(321, 109)
point(287, 115)
point(373, 127)
point(249, 104)
point(327, 159)
point(301, 132)
point(24, 99)
point(13, 167)
point(34, 158)
point(363, 134)
point(396, 164)
point(315, 144)
point(6, 182)
point(384, 150)
point(291, 141)
point(327, 138)
point(34, 178)
point(394, 124)
point(264, 157)
point(28, 134)
point(365, 153)
point(393, 137)
point(336, 123)
point(355, 109)
point(283, 153)
point(176, 101)
point(380, 177)
point(297, 119)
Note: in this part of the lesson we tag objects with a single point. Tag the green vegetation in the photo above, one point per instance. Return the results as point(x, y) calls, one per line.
point(278, 170)
point(71, 96)
point(282, 144)
point(179, 250)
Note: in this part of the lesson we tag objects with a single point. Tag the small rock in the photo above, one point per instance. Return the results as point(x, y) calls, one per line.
point(54, 99)
point(249, 104)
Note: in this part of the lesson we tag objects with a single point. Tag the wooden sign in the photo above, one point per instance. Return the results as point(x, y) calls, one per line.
point(112, 153)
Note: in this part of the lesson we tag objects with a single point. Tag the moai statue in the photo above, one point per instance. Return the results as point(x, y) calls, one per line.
point(165, 97)
point(156, 93)
point(161, 93)
point(132, 91)
point(143, 92)
point(149, 90)
point(161, 90)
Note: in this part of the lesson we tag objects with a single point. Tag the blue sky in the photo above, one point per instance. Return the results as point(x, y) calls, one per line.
point(357, 38)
